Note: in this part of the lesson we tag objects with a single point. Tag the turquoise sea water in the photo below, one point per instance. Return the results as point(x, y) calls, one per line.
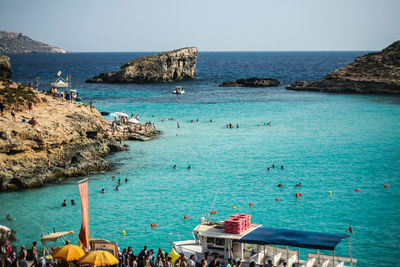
point(328, 142)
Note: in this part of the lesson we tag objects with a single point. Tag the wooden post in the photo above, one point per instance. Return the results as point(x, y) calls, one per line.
point(351, 256)
point(298, 255)
point(318, 255)
point(287, 253)
point(333, 262)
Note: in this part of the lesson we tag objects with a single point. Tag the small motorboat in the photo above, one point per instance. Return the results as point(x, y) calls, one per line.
point(179, 90)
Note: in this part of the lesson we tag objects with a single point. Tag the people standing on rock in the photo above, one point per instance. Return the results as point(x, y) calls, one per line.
point(91, 105)
point(33, 122)
point(64, 204)
point(13, 114)
point(30, 106)
point(137, 116)
point(2, 107)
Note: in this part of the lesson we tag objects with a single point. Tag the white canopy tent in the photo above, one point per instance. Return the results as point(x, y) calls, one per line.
point(60, 82)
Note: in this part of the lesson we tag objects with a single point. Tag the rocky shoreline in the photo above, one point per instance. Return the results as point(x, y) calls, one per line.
point(67, 139)
point(373, 73)
point(252, 82)
point(176, 65)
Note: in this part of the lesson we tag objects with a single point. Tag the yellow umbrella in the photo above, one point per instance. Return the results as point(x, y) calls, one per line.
point(98, 258)
point(68, 253)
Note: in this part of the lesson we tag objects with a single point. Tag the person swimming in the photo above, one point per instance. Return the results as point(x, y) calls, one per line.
point(72, 202)
point(273, 165)
point(280, 185)
point(102, 190)
point(189, 167)
point(126, 180)
point(174, 167)
point(119, 181)
point(64, 204)
point(9, 217)
point(298, 185)
point(281, 167)
point(268, 169)
point(117, 188)
point(113, 178)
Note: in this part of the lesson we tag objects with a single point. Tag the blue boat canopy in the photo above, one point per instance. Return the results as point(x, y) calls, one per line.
point(295, 238)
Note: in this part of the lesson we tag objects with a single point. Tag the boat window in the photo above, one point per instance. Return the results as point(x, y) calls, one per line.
point(210, 240)
point(219, 241)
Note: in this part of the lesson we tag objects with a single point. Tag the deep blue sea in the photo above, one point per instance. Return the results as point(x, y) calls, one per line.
point(327, 142)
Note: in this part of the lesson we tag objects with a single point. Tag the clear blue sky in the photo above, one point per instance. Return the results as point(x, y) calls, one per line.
point(211, 25)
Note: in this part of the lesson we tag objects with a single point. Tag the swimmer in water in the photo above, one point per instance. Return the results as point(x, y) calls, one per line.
point(102, 190)
point(273, 165)
point(117, 188)
point(64, 204)
point(72, 202)
point(298, 185)
point(9, 217)
point(113, 178)
point(280, 185)
point(189, 167)
point(174, 167)
point(268, 169)
point(119, 181)
point(126, 180)
point(281, 167)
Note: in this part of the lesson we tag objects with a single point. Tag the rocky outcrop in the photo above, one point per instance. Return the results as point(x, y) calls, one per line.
point(373, 73)
point(251, 82)
point(176, 65)
point(14, 42)
point(5, 67)
point(67, 140)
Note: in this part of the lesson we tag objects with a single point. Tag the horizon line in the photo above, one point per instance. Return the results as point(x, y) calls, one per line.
point(161, 51)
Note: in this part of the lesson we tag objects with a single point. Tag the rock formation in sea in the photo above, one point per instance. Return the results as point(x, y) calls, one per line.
point(176, 65)
point(14, 42)
point(67, 139)
point(251, 82)
point(5, 67)
point(373, 73)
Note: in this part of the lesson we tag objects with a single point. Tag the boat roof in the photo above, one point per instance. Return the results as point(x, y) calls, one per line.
point(55, 236)
point(216, 229)
point(295, 238)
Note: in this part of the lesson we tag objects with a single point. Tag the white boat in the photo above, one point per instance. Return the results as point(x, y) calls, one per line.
point(259, 244)
point(179, 90)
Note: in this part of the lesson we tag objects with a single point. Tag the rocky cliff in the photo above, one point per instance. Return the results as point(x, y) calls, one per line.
point(65, 140)
point(168, 66)
point(5, 67)
point(14, 42)
point(373, 73)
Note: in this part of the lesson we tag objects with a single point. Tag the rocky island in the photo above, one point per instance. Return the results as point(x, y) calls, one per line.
point(373, 73)
point(56, 140)
point(14, 42)
point(251, 82)
point(176, 65)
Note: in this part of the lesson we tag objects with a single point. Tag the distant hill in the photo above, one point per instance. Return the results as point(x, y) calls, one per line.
point(14, 42)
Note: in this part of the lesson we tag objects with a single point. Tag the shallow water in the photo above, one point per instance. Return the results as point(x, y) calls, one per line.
point(328, 142)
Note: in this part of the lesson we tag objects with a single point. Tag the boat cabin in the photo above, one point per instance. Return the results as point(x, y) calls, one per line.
point(259, 244)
